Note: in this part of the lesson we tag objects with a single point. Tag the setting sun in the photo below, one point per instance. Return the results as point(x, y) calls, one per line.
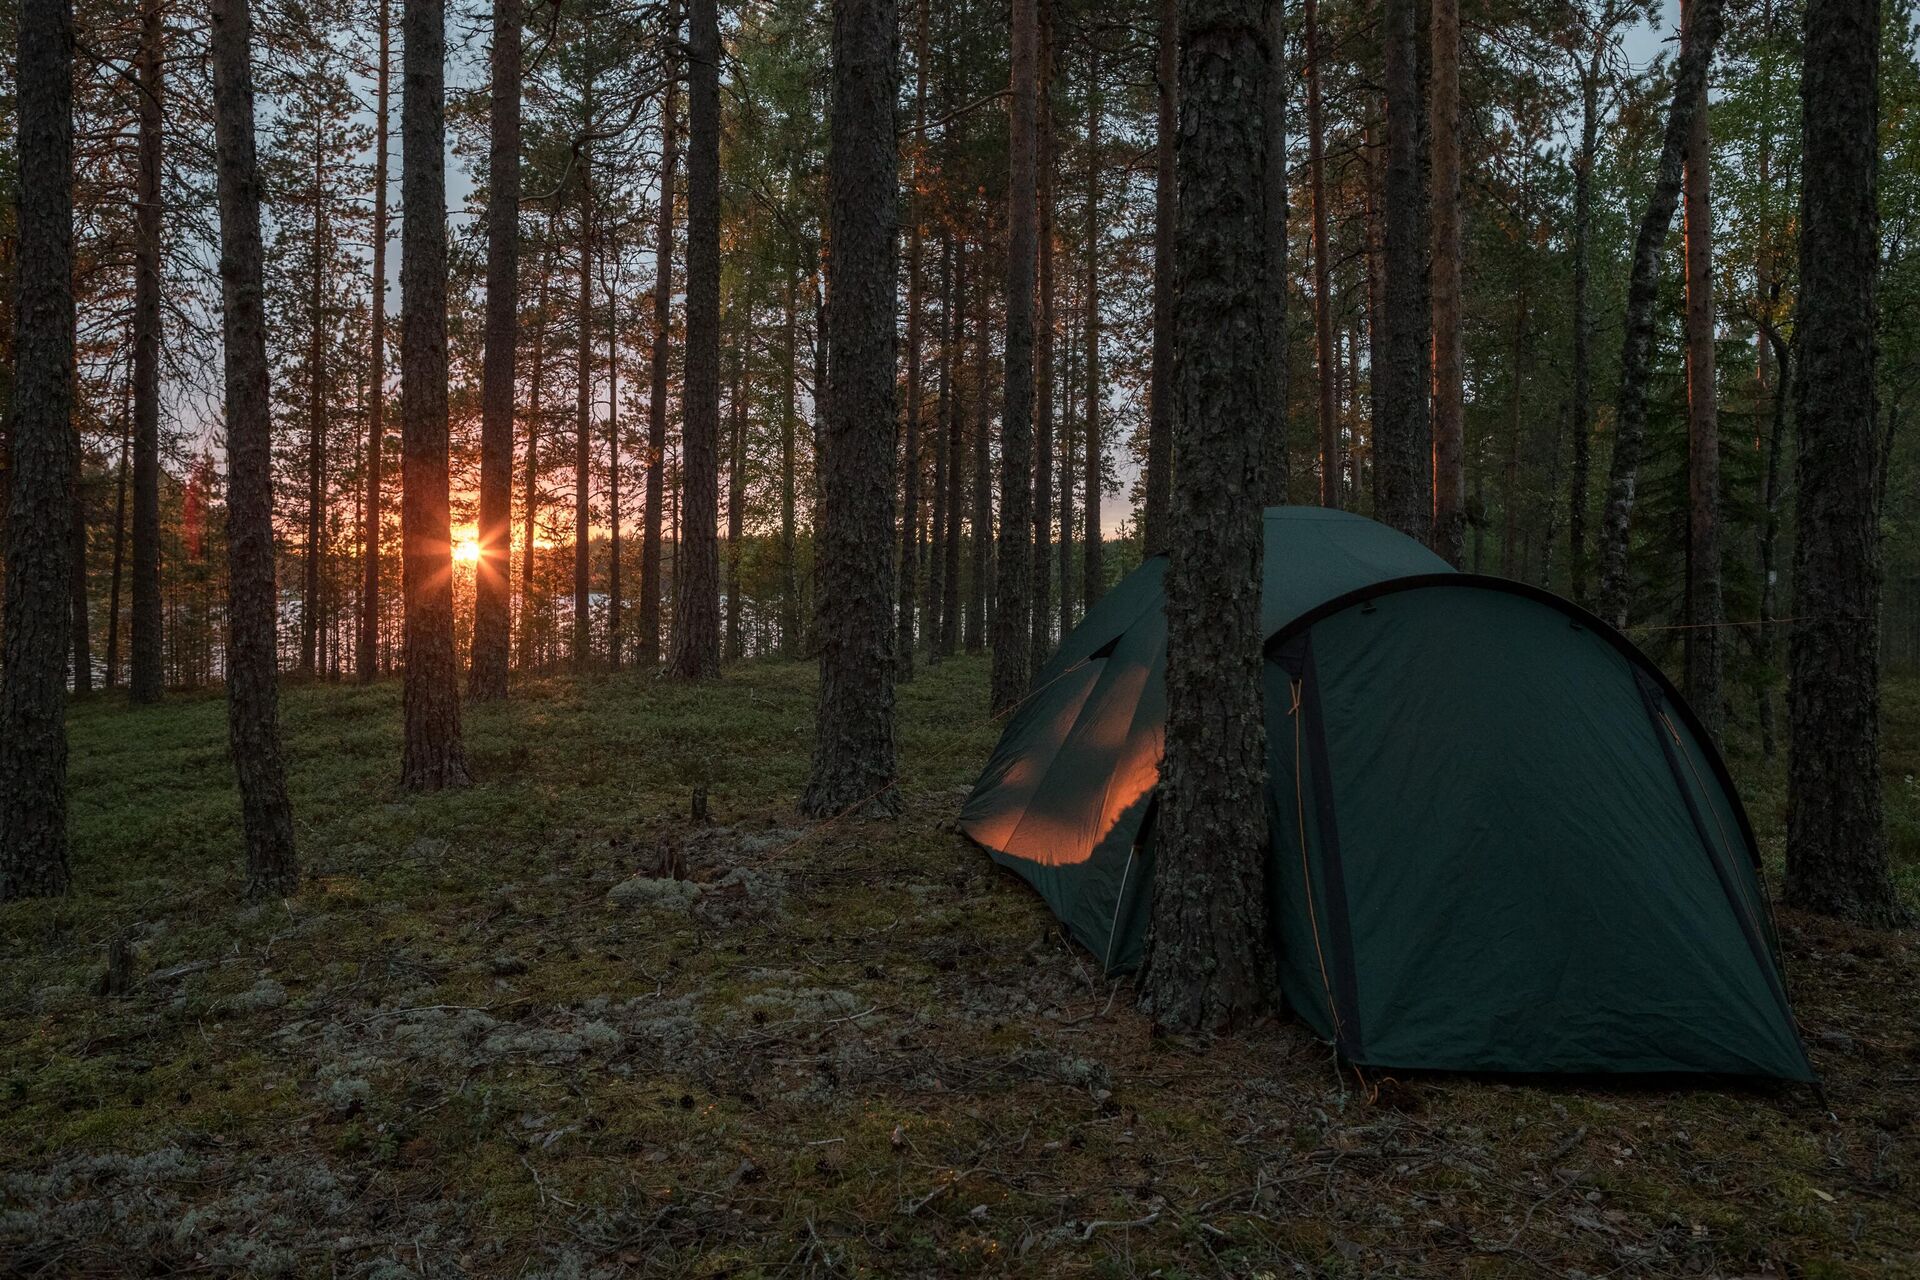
point(466, 546)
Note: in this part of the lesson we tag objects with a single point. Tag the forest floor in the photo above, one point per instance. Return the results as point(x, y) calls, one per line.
point(486, 1039)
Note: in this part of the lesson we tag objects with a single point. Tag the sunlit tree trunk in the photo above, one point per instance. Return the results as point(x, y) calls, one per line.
point(1836, 824)
point(366, 647)
point(696, 564)
point(433, 756)
point(147, 678)
point(1208, 966)
point(253, 727)
point(853, 755)
point(492, 624)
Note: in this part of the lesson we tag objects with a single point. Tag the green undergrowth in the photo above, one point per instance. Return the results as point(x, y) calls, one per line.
point(489, 1038)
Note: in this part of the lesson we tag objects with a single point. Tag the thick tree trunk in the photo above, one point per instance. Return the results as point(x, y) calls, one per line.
point(1159, 479)
point(492, 623)
point(1402, 449)
point(253, 726)
point(1012, 637)
point(1208, 966)
point(909, 567)
point(1836, 824)
point(1449, 365)
point(1040, 606)
point(853, 757)
point(310, 592)
point(1636, 348)
point(39, 537)
point(1703, 645)
point(1093, 568)
point(366, 648)
point(647, 643)
point(935, 607)
point(434, 756)
point(530, 499)
point(696, 564)
point(147, 678)
point(1322, 269)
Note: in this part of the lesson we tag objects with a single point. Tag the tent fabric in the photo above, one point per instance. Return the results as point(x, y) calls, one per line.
point(1498, 839)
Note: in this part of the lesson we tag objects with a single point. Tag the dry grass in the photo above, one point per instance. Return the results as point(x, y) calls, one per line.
point(476, 1045)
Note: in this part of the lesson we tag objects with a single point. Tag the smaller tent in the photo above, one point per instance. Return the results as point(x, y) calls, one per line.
point(1498, 838)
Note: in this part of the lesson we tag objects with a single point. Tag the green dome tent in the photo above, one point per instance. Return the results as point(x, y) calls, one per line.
point(1499, 840)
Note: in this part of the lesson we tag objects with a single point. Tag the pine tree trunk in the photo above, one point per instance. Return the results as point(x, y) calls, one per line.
point(39, 542)
point(119, 551)
point(492, 623)
point(1069, 477)
point(1322, 269)
point(1636, 347)
point(310, 603)
point(253, 726)
point(581, 652)
point(853, 757)
point(1093, 569)
point(737, 494)
point(696, 565)
point(1040, 605)
point(648, 641)
point(950, 612)
point(433, 756)
point(1836, 825)
point(789, 479)
point(1012, 626)
point(1208, 967)
point(909, 567)
point(1159, 479)
point(1273, 491)
point(1770, 495)
point(1402, 451)
point(1449, 365)
point(77, 580)
point(366, 655)
point(934, 609)
point(147, 678)
point(1703, 646)
point(530, 499)
point(615, 632)
point(980, 583)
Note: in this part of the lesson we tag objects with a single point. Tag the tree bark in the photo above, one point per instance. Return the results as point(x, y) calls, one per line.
point(39, 538)
point(853, 759)
point(737, 491)
point(1402, 446)
point(311, 606)
point(530, 500)
point(1322, 269)
point(1837, 861)
point(1273, 492)
point(492, 624)
point(366, 655)
point(1093, 569)
point(1040, 605)
point(615, 632)
point(119, 548)
point(1208, 966)
point(1159, 479)
point(581, 654)
point(909, 569)
point(433, 757)
point(253, 728)
point(696, 564)
point(789, 479)
point(647, 643)
point(1449, 365)
point(77, 579)
point(1636, 348)
point(1703, 646)
point(147, 678)
point(935, 607)
point(1582, 374)
point(950, 612)
point(1012, 638)
point(980, 582)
